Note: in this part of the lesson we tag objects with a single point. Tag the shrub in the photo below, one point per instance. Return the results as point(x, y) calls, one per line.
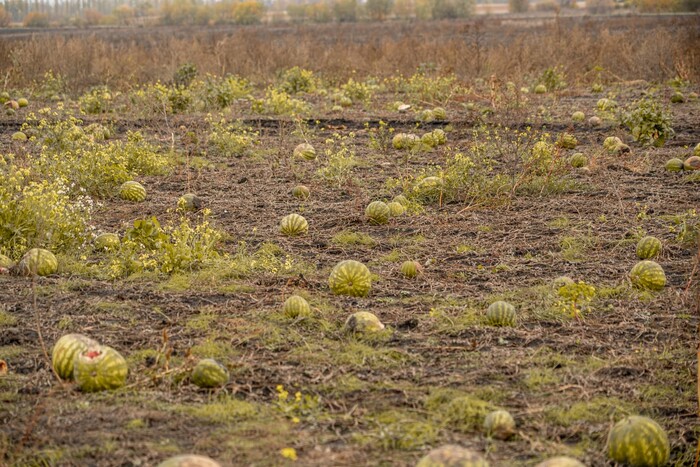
point(648, 121)
point(34, 19)
point(247, 12)
point(518, 6)
point(219, 92)
point(296, 80)
point(230, 139)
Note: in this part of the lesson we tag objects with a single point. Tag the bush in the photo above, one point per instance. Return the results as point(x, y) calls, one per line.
point(451, 9)
point(247, 12)
point(600, 7)
point(518, 6)
point(35, 19)
point(648, 121)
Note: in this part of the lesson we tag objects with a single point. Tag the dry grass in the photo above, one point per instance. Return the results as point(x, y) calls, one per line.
point(508, 48)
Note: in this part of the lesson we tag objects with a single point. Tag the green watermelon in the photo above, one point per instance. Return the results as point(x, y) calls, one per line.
point(439, 114)
point(189, 202)
point(440, 136)
point(6, 262)
point(363, 322)
point(100, 368)
point(696, 150)
point(405, 141)
point(426, 115)
point(305, 151)
point(638, 442)
point(296, 306)
point(378, 212)
point(293, 225)
point(396, 209)
point(66, 350)
point(561, 461)
point(451, 455)
point(189, 460)
point(22, 102)
point(692, 163)
point(401, 199)
point(648, 248)
point(540, 89)
point(37, 261)
point(132, 191)
point(674, 165)
point(301, 192)
point(429, 140)
point(499, 424)
point(19, 136)
point(500, 313)
point(410, 269)
point(429, 187)
point(578, 160)
point(107, 241)
point(567, 141)
point(648, 275)
point(610, 143)
point(578, 116)
point(350, 277)
point(208, 373)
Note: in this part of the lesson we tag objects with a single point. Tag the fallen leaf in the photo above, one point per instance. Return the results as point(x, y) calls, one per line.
point(3, 368)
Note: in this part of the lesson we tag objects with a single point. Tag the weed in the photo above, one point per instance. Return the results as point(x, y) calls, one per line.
point(648, 121)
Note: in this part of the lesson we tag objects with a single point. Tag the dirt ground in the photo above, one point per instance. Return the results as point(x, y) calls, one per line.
point(428, 382)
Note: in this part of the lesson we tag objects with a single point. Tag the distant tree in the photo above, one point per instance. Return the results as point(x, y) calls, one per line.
point(297, 12)
point(248, 12)
point(404, 8)
point(345, 11)
point(5, 17)
point(378, 10)
point(123, 14)
point(451, 9)
point(34, 19)
point(518, 6)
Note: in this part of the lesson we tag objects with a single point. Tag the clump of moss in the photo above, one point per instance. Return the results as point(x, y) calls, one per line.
point(596, 410)
point(462, 412)
point(347, 237)
point(225, 410)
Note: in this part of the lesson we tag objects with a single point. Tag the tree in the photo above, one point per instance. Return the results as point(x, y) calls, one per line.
point(345, 10)
point(378, 10)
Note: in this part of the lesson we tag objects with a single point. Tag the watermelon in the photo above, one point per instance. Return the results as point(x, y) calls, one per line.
point(100, 368)
point(22, 102)
point(499, 424)
point(107, 241)
point(426, 115)
point(12, 105)
point(429, 140)
point(293, 225)
point(638, 442)
point(19, 136)
point(610, 143)
point(562, 281)
point(296, 306)
point(401, 199)
point(37, 261)
point(6, 262)
point(208, 373)
point(363, 322)
point(439, 114)
point(66, 350)
point(674, 165)
point(648, 275)
point(410, 269)
point(578, 160)
point(189, 202)
point(597, 88)
point(696, 150)
point(377, 212)
point(396, 209)
point(595, 121)
point(440, 136)
point(648, 248)
point(132, 191)
point(578, 116)
point(301, 192)
point(429, 187)
point(540, 89)
point(451, 455)
point(500, 314)
point(351, 278)
point(305, 151)
point(567, 141)
point(189, 460)
point(692, 163)
point(405, 141)
point(561, 461)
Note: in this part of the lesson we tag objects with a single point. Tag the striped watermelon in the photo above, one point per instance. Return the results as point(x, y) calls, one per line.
point(396, 209)
point(429, 140)
point(208, 373)
point(692, 163)
point(440, 136)
point(500, 314)
point(189, 202)
point(132, 191)
point(611, 142)
point(429, 187)
point(100, 368)
point(674, 165)
point(37, 261)
point(440, 114)
point(638, 442)
point(301, 192)
point(305, 151)
point(410, 269)
point(499, 424)
point(296, 306)
point(293, 225)
point(64, 352)
point(6, 262)
point(107, 241)
point(362, 322)
point(567, 141)
point(401, 199)
point(378, 212)
point(561, 461)
point(648, 275)
point(189, 460)
point(540, 89)
point(451, 455)
point(648, 247)
point(578, 116)
point(350, 277)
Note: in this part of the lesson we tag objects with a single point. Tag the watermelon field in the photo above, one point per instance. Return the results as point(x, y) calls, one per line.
point(327, 267)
